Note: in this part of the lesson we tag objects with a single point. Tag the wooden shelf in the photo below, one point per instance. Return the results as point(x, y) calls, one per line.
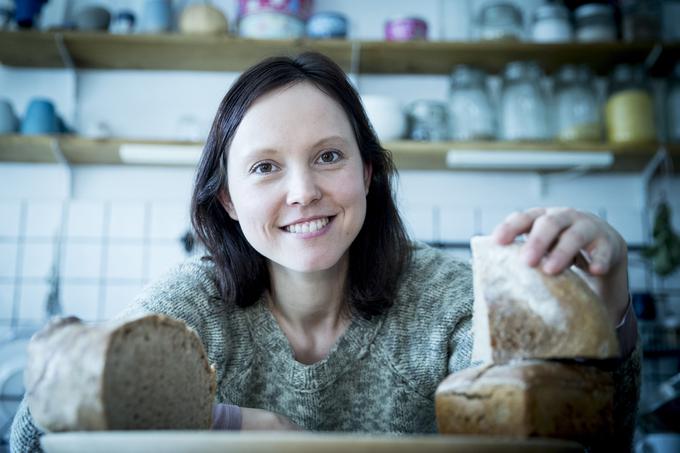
point(408, 155)
point(210, 53)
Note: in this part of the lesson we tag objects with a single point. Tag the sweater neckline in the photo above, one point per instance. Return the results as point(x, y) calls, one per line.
point(272, 343)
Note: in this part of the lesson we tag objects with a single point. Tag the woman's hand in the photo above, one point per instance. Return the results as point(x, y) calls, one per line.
point(260, 419)
point(560, 237)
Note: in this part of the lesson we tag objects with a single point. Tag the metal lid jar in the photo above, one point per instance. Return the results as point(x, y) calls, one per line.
point(500, 21)
point(427, 120)
point(471, 112)
point(577, 114)
point(629, 110)
point(551, 24)
point(523, 109)
point(595, 23)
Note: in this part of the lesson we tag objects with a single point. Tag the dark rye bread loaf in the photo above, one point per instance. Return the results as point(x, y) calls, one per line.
point(146, 373)
point(528, 398)
point(520, 312)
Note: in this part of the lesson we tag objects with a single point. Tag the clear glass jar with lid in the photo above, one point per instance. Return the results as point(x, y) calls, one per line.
point(551, 23)
point(523, 109)
point(641, 20)
point(427, 120)
point(629, 111)
point(673, 106)
point(595, 23)
point(500, 21)
point(577, 110)
point(471, 113)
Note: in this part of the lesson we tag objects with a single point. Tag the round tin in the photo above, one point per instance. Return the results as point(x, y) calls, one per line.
point(324, 25)
point(296, 8)
point(405, 29)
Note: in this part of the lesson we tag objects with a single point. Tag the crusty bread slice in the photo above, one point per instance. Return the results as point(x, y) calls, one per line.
point(520, 312)
point(528, 398)
point(146, 373)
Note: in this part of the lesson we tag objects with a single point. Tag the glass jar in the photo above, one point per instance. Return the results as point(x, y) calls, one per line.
point(427, 120)
point(629, 110)
point(577, 114)
point(471, 114)
point(641, 20)
point(551, 24)
point(673, 106)
point(595, 23)
point(523, 112)
point(500, 21)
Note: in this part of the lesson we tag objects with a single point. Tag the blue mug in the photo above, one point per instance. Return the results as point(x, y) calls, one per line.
point(26, 11)
point(157, 16)
point(9, 123)
point(41, 118)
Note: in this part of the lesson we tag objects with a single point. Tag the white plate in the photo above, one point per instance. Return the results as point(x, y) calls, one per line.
point(289, 442)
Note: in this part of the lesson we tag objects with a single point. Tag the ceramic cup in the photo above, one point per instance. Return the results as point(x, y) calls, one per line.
point(157, 16)
point(124, 23)
point(93, 18)
point(9, 123)
point(661, 443)
point(40, 118)
point(27, 11)
point(386, 115)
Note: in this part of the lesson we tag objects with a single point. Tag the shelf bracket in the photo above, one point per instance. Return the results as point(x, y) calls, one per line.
point(543, 179)
point(58, 154)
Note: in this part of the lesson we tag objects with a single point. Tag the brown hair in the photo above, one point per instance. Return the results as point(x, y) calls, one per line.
point(380, 252)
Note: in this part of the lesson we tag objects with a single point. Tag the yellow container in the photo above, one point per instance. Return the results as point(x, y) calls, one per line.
point(630, 117)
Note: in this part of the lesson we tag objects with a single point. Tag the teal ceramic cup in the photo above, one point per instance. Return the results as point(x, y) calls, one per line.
point(9, 123)
point(40, 118)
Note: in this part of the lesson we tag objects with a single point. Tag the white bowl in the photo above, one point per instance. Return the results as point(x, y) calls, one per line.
point(386, 116)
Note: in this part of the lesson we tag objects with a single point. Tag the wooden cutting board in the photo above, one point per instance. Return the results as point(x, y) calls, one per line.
point(288, 442)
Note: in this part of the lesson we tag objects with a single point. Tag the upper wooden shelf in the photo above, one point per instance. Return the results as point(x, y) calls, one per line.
point(408, 155)
point(211, 53)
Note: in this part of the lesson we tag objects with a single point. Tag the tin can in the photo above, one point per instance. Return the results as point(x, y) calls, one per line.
point(296, 8)
point(324, 25)
point(405, 29)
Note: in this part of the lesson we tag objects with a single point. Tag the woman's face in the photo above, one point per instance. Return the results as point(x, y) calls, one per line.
point(297, 183)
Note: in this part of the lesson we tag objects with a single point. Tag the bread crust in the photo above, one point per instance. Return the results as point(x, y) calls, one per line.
point(69, 369)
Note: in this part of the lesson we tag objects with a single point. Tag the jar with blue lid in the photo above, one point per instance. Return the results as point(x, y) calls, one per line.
point(327, 25)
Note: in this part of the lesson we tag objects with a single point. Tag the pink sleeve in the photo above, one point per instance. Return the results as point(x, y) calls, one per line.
point(226, 417)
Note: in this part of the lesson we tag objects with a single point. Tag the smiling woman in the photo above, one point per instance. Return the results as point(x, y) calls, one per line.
point(315, 309)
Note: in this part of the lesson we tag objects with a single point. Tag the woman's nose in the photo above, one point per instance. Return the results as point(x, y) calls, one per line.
point(302, 189)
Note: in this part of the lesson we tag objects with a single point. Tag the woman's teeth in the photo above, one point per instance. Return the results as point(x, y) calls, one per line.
point(308, 227)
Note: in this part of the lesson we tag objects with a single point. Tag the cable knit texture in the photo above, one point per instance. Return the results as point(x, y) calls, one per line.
point(380, 376)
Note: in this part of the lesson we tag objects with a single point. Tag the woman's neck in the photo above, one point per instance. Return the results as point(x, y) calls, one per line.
point(310, 308)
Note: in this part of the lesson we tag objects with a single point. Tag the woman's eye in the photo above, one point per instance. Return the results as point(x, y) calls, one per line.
point(263, 168)
point(328, 157)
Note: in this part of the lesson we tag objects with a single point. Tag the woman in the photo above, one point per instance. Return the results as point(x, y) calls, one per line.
point(315, 309)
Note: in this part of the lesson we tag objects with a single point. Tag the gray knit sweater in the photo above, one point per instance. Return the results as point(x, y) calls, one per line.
point(380, 376)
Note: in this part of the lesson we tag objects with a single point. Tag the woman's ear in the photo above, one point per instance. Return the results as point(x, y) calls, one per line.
point(226, 203)
point(368, 172)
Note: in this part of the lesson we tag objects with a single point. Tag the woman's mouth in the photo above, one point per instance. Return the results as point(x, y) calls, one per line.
point(312, 226)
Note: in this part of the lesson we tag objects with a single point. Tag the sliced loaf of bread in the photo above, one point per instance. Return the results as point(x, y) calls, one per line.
point(145, 373)
point(520, 312)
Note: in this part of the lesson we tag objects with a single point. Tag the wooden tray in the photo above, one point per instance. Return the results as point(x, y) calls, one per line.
point(288, 442)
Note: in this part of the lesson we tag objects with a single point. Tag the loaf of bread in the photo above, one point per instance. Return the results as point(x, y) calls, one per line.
point(146, 373)
point(528, 398)
point(520, 312)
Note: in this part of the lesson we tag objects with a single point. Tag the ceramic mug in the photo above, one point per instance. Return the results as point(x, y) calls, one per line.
point(40, 118)
point(157, 16)
point(93, 18)
point(124, 23)
point(661, 443)
point(386, 116)
point(9, 123)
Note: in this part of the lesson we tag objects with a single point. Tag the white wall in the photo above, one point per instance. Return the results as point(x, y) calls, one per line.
point(124, 223)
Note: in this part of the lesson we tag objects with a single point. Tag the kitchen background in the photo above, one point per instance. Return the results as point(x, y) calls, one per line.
point(124, 225)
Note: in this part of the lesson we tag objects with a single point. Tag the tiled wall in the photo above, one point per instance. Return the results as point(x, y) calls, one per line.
point(122, 228)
